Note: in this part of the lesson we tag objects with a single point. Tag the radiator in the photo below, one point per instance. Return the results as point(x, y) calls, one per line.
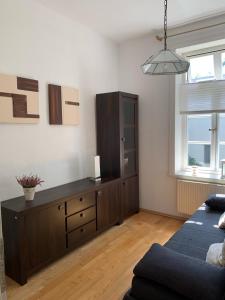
point(191, 194)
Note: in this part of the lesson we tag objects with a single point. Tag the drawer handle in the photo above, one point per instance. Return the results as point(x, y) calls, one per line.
point(81, 199)
point(82, 230)
point(82, 215)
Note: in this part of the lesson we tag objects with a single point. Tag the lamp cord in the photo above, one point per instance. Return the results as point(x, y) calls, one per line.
point(165, 24)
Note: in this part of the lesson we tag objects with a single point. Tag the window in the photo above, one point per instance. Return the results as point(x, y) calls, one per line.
point(205, 67)
point(201, 103)
point(204, 141)
point(201, 69)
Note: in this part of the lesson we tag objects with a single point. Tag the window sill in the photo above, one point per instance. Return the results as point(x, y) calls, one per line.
point(202, 177)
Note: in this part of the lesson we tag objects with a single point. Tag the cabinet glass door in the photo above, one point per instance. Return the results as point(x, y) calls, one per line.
point(129, 127)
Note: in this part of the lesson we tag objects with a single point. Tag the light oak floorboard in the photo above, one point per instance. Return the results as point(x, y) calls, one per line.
point(102, 268)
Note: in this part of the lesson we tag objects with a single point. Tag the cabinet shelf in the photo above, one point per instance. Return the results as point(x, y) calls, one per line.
point(129, 150)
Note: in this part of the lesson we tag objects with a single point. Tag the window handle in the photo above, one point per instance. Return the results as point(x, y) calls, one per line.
point(212, 129)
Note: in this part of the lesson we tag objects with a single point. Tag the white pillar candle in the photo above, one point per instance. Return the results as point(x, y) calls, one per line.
point(97, 166)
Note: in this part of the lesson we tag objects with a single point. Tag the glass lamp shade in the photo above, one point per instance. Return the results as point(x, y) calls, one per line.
point(166, 62)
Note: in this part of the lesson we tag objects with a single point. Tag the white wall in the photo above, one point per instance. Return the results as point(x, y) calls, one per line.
point(157, 188)
point(38, 43)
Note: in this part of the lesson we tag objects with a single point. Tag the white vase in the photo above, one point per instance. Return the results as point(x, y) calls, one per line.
point(29, 193)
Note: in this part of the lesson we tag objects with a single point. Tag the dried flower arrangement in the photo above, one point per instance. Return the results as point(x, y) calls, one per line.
point(30, 181)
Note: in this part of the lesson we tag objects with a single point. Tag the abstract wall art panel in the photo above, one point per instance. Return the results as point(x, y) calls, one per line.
point(64, 105)
point(18, 100)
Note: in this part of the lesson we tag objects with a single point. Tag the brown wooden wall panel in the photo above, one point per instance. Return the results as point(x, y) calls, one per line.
point(72, 103)
point(9, 95)
point(19, 106)
point(26, 84)
point(55, 104)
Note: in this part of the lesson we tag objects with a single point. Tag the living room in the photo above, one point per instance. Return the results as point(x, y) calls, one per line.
point(112, 117)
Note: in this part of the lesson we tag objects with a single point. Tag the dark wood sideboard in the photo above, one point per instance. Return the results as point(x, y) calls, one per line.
point(60, 219)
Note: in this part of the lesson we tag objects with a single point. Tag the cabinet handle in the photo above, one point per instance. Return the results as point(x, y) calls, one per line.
point(82, 215)
point(82, 230)
point(123, 139)
point(60, 207)
point(81, 199)
point(99, 193)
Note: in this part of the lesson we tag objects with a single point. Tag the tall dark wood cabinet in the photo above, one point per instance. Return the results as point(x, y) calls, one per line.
point(117, 144)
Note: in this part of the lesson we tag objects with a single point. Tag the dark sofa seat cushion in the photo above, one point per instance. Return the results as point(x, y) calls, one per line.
point(148, 290)
point(198, 233)
point(187, 276)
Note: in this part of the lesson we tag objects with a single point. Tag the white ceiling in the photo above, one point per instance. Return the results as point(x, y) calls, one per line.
point(124, 19)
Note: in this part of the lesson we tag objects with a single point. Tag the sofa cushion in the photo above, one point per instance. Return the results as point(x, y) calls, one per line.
point(128, 296)
point(187, 276)
point(143, 289)
point(216, 201)
point(198, 233)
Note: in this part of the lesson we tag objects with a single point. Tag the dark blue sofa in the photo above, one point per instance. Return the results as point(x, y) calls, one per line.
point(193, 239)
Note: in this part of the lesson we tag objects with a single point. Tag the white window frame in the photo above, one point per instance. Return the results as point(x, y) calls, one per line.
point(215, 144)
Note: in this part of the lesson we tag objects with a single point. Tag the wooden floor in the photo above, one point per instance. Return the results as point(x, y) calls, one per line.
point(101, 269)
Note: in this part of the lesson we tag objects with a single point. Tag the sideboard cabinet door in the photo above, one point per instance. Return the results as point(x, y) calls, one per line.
point(108, 206)
point(130, 196)
point(45, 233)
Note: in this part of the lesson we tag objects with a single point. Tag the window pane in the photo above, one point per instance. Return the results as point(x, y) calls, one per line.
point(221, 137)
point(202, 68)
point(221, 153)
point(199, 140)
point(221, 133)
point(199, 155)
point(223, 65)
point(198, 128)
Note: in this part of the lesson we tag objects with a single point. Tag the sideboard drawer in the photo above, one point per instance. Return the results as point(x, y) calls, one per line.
point(81, 233)
point(80, 203)
point(81, 218)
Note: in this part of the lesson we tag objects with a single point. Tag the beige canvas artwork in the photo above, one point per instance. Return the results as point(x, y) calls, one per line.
point(18, 100)
point(64, 105)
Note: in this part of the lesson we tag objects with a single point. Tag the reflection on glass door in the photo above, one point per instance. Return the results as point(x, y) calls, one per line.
point(129, 137)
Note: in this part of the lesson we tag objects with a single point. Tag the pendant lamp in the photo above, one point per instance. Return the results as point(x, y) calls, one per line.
point(166, 62)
